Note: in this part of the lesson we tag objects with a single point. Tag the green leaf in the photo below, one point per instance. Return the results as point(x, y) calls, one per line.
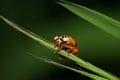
point(101, 21)
point(29, 34)
point(90, 75)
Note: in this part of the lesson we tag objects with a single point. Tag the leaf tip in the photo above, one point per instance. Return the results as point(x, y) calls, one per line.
point(0, 16)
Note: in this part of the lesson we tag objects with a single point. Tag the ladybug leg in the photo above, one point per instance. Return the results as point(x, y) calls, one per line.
point(56, 50)
point(69, 48)
point(59, 48)
point(72, 51)
point(75, 51)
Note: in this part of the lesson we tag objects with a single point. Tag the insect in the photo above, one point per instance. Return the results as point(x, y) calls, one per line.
point(67, 43)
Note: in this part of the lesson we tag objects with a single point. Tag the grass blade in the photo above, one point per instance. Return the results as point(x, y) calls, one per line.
point(90, 75)
point(61, 52)
point(29, 33)
point(102, 21)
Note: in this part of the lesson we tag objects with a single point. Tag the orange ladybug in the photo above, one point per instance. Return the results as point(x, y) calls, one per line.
point(67, 43)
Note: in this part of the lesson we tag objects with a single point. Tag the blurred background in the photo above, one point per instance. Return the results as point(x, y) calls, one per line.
point(48, 19)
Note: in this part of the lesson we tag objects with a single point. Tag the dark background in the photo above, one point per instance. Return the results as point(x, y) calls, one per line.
point(48, 19)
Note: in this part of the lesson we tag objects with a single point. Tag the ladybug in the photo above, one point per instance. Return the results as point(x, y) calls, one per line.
point(67, 43)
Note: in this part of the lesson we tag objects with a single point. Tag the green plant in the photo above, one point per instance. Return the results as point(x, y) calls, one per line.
point(107, 24)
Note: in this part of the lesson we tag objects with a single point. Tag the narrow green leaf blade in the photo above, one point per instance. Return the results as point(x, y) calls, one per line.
point(90, 75)
point(102, 21)
point(29, 33)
